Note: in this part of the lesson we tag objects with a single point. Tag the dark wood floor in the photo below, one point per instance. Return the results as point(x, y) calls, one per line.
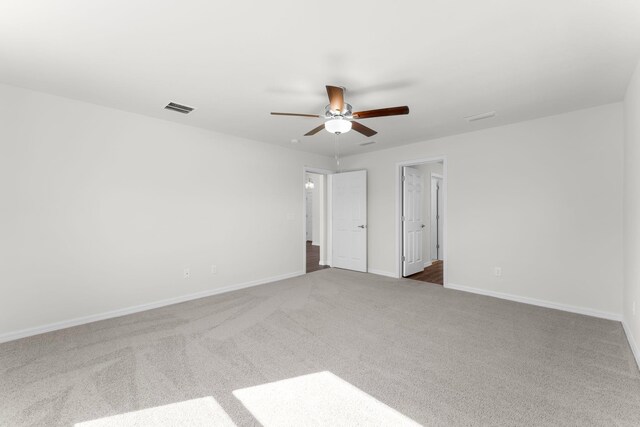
point(431, 274)
point(313, 258)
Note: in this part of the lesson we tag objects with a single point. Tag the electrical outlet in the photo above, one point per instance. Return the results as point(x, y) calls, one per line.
point(497, 271)
point(214, 269)
point(187, 273)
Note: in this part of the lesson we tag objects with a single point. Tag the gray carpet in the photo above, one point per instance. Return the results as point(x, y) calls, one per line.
point(436, 356)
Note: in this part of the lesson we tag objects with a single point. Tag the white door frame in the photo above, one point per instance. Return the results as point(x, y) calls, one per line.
point(327, 209)
point(398, 174)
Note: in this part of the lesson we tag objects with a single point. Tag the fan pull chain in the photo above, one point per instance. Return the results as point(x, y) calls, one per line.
point(337, 151)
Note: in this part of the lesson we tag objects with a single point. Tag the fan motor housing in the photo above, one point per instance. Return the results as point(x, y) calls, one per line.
point(346, 113)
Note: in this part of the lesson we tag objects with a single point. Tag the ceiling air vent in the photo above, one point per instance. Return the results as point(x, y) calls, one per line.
point(482, 116)
point(179, 108)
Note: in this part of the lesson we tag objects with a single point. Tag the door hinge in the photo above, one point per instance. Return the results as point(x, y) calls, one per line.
point(404, 178)
point(404, 258)
point(402, 218)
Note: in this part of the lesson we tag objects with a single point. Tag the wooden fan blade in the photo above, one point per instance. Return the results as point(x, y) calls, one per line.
point(362, 129)
point(336, 98)
point(295, 114)
point(382, 112)
point(314, 131)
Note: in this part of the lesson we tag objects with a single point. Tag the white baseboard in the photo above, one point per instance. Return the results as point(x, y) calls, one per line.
point(538, 302)
point(10, 336)
point(383, 273)
point(632, 343)
point(428, 264)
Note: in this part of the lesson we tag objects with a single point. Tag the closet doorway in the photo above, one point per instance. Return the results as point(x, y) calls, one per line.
point(422, 220)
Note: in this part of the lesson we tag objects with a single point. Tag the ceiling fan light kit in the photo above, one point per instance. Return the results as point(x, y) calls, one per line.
point(339, 117)
point(337, 126)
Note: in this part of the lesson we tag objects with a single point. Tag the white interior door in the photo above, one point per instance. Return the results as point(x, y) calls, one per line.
point(436, 217)
point(412, 221)
point(349, 223)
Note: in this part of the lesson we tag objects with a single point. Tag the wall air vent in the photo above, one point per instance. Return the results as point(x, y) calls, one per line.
point(480, 116)
point(367, 143)
point(179, 108)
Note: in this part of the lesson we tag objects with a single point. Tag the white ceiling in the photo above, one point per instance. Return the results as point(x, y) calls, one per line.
point(238, 60)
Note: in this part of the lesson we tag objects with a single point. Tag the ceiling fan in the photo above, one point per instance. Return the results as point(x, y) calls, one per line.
point(339, 115)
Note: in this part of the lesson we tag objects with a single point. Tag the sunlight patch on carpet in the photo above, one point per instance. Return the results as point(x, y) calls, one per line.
point(203, 412)
point(317, 399)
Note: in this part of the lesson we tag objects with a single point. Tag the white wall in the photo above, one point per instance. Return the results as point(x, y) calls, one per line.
point(542, 199)
point(308, 209)
point(316, 204)
point(322, 218)
point(632, 212)
point(309, 215)
point(102, 209)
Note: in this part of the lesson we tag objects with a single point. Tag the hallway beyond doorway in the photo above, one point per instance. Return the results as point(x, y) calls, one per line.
point(431, 274)
point(313, 258)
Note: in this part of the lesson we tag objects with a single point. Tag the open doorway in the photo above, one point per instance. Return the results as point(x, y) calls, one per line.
point(315, 220)
point(422, 220)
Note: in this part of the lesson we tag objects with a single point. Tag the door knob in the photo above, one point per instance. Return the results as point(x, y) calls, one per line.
point(362, 226)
